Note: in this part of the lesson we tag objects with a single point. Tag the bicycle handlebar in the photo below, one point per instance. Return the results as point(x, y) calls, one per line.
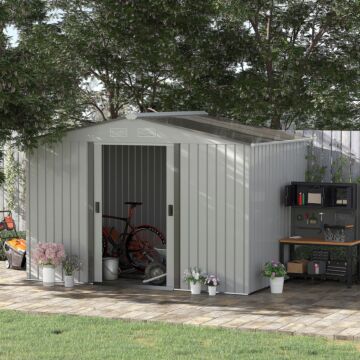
point(114, 217)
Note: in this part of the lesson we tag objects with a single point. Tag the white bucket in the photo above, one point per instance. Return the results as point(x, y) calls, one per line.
point(69, 281)
point(212, 290)
point(277, 285)
point(48, 275)
point(195, 288)
point(110, 268)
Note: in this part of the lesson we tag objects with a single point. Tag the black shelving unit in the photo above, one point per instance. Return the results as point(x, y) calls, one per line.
point(314, 205)
point(318, 195)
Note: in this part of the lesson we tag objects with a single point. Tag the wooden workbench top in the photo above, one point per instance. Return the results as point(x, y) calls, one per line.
point(317, 241)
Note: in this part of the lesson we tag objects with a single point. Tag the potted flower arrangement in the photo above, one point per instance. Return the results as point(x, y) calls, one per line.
point(212, 282)
point(276, 272)
point(49, 255)
point(195, 278)
point(70, 265)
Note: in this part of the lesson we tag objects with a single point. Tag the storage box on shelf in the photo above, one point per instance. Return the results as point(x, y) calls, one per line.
point(297, 266)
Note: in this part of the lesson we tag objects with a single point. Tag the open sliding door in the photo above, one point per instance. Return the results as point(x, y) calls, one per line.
point(99, 206)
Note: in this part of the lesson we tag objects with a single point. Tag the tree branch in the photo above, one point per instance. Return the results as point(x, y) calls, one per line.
point(315, 41)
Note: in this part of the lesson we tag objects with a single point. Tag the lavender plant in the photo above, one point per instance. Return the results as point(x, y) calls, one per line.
point(71, 264)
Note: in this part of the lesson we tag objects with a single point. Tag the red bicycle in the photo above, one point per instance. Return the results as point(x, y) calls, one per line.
point(142, 247)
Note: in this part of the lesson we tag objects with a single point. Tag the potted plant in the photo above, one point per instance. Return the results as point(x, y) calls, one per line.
point(212, 282)
point(276, 272)
point(195, 278)
point(70, 265)
point(49, 255)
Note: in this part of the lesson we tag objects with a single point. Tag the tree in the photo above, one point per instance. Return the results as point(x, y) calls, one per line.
point(302, 63)
point(38, 93)
point(262, 62)
point(131, 49)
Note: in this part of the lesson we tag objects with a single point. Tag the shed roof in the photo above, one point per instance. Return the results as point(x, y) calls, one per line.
point(230, 129)
point(204, 123)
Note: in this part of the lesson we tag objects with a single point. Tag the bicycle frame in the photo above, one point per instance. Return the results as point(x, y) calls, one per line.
point(128, 231)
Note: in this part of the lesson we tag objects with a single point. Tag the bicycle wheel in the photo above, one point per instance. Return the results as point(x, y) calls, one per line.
point(145, 245)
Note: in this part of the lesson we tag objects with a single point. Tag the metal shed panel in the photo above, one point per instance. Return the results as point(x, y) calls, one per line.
point(32, 214)
point(273, 167)
point(57, 204)
point(213, 189)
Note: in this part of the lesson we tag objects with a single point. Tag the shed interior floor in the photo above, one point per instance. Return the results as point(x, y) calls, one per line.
point(137, 174)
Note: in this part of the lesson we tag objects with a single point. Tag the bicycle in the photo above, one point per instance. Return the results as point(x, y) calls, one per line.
point(142, 247)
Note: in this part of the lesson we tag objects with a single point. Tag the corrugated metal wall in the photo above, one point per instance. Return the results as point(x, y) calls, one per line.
point(58, 202)
point(135, 173)
point(272, 167)
point(214, 193)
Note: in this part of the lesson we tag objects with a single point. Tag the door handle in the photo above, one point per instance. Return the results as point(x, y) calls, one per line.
point(170, 210)
point(97, 207)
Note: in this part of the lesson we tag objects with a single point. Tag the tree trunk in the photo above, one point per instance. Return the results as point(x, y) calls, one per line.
point(275, 122)
point(112, 108)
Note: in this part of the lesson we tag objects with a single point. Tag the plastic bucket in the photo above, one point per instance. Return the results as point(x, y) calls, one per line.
point(110, 268)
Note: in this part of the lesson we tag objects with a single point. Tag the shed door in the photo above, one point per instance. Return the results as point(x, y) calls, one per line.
point(98, 209)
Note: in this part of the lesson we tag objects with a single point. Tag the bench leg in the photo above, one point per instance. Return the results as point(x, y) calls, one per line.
point(292, 252)
point(282, 253)
point(358, 262)
point(349, 271)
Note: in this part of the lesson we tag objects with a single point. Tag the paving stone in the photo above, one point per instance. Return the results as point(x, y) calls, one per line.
point(353, 331)
point(326, 309)
point(218, 321)
point(199, 320)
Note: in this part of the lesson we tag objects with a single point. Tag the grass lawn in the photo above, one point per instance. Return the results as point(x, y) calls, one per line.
point(31, 336)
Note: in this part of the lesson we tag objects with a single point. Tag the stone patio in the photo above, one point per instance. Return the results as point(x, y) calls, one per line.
point(325, 309)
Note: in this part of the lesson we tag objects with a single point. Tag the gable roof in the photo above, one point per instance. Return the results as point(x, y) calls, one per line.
point(202, 122)
point(222, 127)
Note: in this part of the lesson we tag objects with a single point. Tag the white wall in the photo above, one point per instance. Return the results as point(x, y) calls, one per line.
point(272, 167)
point(58, 202)
point(214, 191)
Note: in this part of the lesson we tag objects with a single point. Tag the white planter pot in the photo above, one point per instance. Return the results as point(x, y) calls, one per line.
point(212, 290)
point(277, 285)
point(195, 288)
point(69, 281)
point(48, 275)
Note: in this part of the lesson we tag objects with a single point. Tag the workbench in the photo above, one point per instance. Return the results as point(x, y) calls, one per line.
point(349, 246)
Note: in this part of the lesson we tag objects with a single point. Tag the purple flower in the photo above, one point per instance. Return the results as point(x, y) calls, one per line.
point(49, 254)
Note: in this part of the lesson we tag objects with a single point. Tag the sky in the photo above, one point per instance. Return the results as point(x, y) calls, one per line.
point(13, 34)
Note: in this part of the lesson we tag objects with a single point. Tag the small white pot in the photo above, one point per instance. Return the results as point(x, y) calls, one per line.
point(277, 285)
point(69, 281)
point(195, 288)
point(48, 275)
point(212, 290)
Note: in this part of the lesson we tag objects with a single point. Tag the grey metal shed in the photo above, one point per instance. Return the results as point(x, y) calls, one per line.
point(223, 178)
